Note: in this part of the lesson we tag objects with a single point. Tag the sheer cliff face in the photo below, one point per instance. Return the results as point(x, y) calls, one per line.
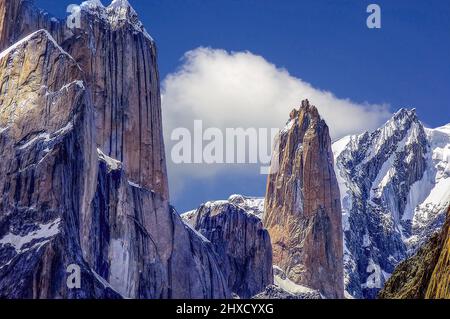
point(118, 59)
point(120, 66)
point(46, 127)
point(426, 274)
point(240, 241)
point(83, 179)
point(302, 207)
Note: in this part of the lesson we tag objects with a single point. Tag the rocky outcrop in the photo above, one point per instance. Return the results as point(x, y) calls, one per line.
point(395, 188)
point(241, 243)
point(426, 274)
point(302, 205)
point(83, 179)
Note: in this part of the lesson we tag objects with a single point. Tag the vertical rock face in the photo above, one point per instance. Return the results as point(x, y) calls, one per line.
point(302, 205)
point(118, 59)
point(46, 127)
point(143, 251)
point(395, 189)
point(241, 243)
point(83, 179)
point(426, 274)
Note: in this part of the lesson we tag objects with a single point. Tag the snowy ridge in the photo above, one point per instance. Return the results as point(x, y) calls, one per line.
point(252, 205)
point(432, 193)
point(189, 217)
point(47, 137)
point(398, 123)
point(25, 40)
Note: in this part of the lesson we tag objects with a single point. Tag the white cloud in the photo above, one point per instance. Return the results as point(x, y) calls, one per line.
point(241, 89)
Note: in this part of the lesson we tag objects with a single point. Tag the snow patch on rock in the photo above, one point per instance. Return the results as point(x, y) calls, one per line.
point(43, 233)
point(282, 281)
point(112, 163)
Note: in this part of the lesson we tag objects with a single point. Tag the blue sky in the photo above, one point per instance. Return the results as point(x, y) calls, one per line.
point(326, 43)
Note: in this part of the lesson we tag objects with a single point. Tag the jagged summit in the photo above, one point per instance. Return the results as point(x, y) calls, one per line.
point(401, 120)
point(402, 129)
point(306, 107)
point(120, 5)
point(302, 207)
point(92, 4)
point(307, 113)
point(404, 111)
point(117, 14)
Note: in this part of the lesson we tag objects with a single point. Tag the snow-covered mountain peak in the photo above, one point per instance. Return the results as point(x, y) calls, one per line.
point(121, 4)
point(395, 187)
point(122, 8)
point(405, 113)
point(117, 14)
point(402, 120)
point(252, 205)
point(91, 4)
point(401, 131)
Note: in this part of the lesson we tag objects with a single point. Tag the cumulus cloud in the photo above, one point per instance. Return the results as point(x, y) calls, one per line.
point(241, 89)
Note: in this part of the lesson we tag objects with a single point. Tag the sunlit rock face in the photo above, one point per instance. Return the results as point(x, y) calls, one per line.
point(302, 205)
point(83, 177)
point(48, 160)
point(118, 59)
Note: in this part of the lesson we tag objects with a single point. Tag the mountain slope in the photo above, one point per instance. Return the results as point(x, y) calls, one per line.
point(426, 274)
point(394, 185)
point(439, 287)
